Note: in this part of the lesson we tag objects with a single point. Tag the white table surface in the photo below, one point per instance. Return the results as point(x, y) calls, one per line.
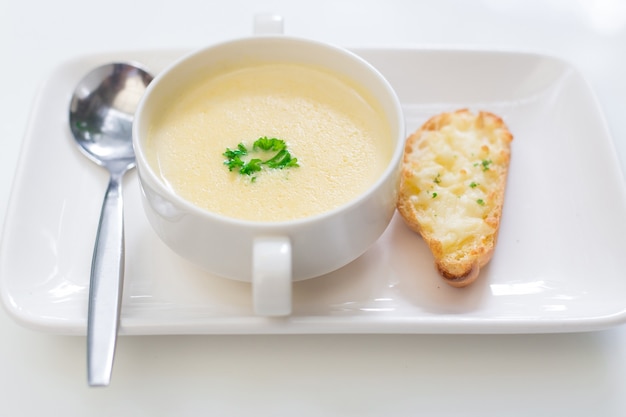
point(312, 375)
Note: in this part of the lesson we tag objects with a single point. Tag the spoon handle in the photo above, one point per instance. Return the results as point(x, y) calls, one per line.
point(105, 289)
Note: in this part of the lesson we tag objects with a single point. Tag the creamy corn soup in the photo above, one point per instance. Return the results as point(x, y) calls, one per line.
point(340, 138)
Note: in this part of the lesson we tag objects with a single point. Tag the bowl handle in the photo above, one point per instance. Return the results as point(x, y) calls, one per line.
point(271, 276)
point(268, 24)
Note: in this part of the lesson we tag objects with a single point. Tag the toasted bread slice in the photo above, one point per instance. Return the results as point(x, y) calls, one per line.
point(452, 189)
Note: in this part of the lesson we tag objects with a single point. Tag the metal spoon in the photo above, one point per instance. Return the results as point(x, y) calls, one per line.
point(101, 116)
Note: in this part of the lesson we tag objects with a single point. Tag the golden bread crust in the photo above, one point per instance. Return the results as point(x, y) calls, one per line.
point(452, 189)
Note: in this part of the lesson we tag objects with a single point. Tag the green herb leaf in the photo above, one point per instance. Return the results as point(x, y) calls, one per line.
point(234, 160)
point(480, 201)
point(473, 184)
point(252, 166)
point(269, 144)
point(240, 151)
point(282, 159)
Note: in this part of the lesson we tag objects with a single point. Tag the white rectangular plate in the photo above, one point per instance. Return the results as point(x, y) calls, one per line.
point(559, 264)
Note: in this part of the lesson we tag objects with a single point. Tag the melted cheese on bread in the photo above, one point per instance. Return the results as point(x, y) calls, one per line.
point(452, 189)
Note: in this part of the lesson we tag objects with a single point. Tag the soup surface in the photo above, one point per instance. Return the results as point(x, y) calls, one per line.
point(341, 140)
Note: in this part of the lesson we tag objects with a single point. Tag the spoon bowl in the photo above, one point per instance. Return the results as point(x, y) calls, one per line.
point(102, 111)
point(101, 117)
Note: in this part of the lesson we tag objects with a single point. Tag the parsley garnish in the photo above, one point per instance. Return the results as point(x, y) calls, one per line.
point(473, 184)
point(234, 157)
point(282, 159)
point(434, 195)
point(481, 201)
point(484, 164)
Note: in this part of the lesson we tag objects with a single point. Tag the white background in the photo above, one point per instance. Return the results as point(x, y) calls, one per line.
point(323, 375)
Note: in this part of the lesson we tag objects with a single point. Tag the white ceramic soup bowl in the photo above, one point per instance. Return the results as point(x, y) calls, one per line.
point(270, 255)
